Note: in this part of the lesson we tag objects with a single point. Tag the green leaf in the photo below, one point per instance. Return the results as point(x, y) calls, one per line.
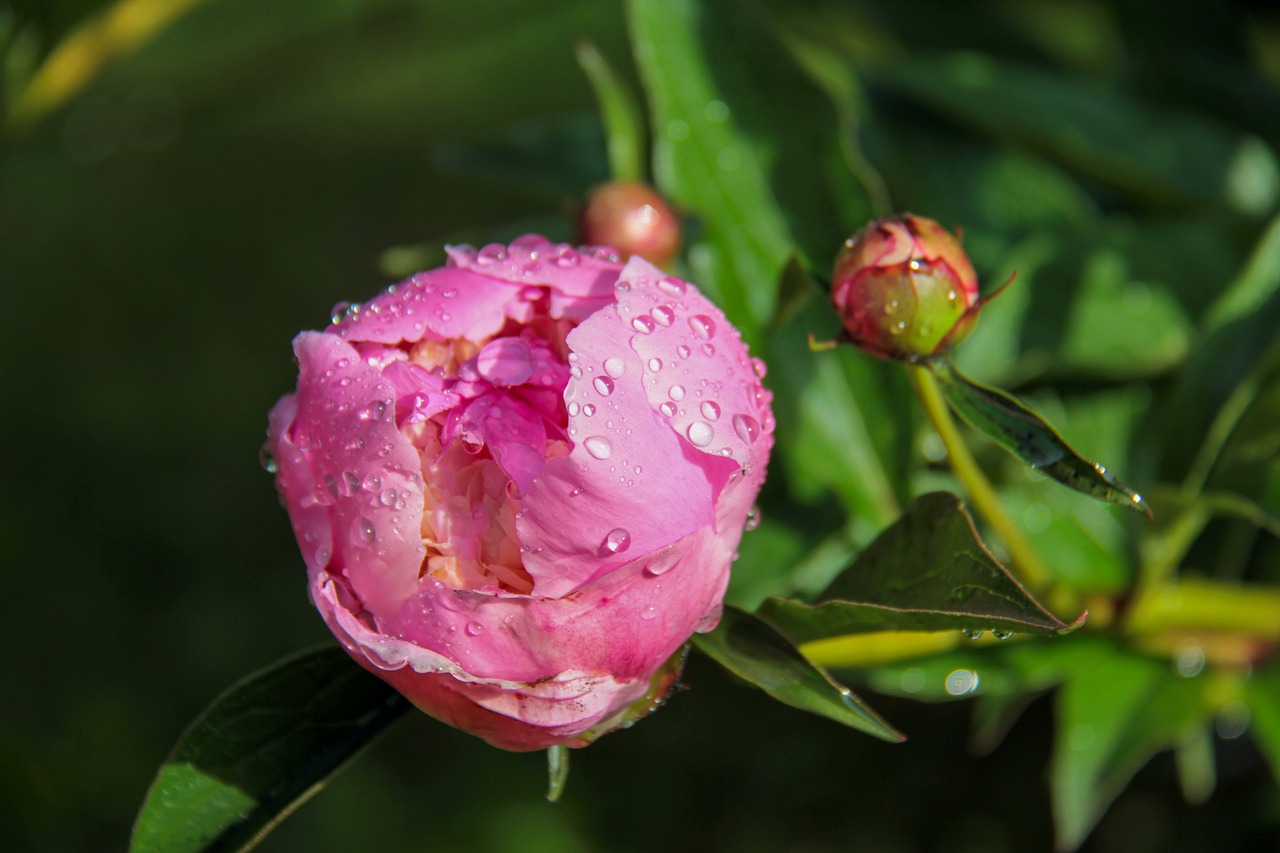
point(1112, 717)
point(1026, 435)
point(747, 146)
point(926, 572)
point(754, 651)
point(623, 125)
point(557, 771)
point(1262, 694)
point(262, 749)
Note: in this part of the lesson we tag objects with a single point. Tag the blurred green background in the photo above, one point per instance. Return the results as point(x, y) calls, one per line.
point(212, 187)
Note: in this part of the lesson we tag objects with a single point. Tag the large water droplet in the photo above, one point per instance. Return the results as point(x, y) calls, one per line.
point(676, 392)
point(387, 497)
point(618, 539)
point(365, 531)
point(574, 408)
point(589, 410)
point(474, 629)
point(668, 409)
point(603, 385)
point(643, 324)
point(683, 351)
point(663, 315)
point(599, 446)
point(615, 367)
point(655, 364)
point(703, 326)
point(747, 428)
point(672, 286)
point(710, 411)
point(700, 433)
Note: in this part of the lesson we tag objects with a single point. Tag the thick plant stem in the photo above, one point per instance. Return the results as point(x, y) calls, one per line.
point(983, 495)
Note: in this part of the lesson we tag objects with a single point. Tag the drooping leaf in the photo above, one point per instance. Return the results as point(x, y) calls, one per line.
point(1112, 717)
point(623, 125)
point(557, 771)
point(1026, 435)
point(929, 571)
point(262, 749)
point(754, 651)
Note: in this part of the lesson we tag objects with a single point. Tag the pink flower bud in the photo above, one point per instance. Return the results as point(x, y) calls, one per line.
point(518, 483)
point(904, 288)
point(632, 218)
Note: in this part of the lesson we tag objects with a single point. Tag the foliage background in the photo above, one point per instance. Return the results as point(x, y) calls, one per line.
point(166, 229)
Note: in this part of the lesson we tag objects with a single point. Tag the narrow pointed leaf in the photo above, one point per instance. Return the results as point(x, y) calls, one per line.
point(557, 771)
point(1026, 435)
point(754, 651)
point(928, 571)
point(623, 126)
point(262, 749)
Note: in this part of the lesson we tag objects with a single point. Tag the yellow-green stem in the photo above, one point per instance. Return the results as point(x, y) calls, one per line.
point(983, 495)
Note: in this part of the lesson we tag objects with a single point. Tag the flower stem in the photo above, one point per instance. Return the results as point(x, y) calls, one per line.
point(983, 495)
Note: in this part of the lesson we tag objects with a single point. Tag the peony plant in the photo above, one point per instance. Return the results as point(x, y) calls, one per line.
point(518, 483)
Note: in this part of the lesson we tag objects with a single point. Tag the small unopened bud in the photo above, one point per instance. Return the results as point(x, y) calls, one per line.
point(905, 289)
point(632, 218)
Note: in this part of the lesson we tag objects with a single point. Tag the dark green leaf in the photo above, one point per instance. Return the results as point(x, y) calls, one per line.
point(1025, 434)
point(927, 572)
point(752, 650)
point(1112, 717)
point(1262, 694)
point(261, 750)
point(623, 126)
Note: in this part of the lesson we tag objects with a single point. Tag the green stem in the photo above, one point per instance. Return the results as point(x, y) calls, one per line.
point(983, 495)
point(1204, 605)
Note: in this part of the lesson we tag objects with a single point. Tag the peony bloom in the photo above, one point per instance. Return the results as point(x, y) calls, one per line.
point(518, 483)
point(905, 289)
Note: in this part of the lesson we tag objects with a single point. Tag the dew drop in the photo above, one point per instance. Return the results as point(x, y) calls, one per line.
point(589, 410)
point(655, 364)
point(898, 328)
point(747, 428)
point(387, 497)
point(1002, 635)
point(603, 385)
point(365, 530)
point(574, 408)
point(599, 446)
point(710, 411)
point(615, 367)
point(761, 369)
point(618, 539)
point(708, 350)
point(683, 351)
point(676, 393)
point(703, 326)
point(267, 461)
point(643, 324)
point(663, 315)
point(700, 433)
point(672, 285)
point(350, 483)
point(668, 409)
point(375, 411)
point(474, 629)
point(974, 633)
point(753, 519)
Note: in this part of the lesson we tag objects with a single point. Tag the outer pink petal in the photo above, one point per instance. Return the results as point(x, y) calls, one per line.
point(630, 484)
point(438, 305)
point(534, 260)
point(344, 454)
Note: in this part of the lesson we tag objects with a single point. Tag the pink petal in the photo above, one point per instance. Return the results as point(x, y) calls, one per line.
point(363, 472)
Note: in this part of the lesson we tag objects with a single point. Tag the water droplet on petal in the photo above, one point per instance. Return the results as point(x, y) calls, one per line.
point(365, 530)
point(589, 410)
point(603, 385)
point(708, 350)
point(700, 433)
point(683, 351)
point(747, 428)
point(615, 367)
point(676, 393)
point(599, 446)
point(672, 285)
point(668, 409)
point(710, 411)
point(474, 629)
point(266, 460)
point(643, 324)
point(618, 539)
point(703, 326)
point(753, 519)
point(655, 364)
point(760, 367)
point(574, 409)
point(663, 315)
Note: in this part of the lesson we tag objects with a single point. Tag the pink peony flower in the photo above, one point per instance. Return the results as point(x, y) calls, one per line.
point(518, 483)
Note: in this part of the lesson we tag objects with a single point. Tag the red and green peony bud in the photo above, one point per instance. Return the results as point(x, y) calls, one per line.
point(632, 218)
point(905, 289)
